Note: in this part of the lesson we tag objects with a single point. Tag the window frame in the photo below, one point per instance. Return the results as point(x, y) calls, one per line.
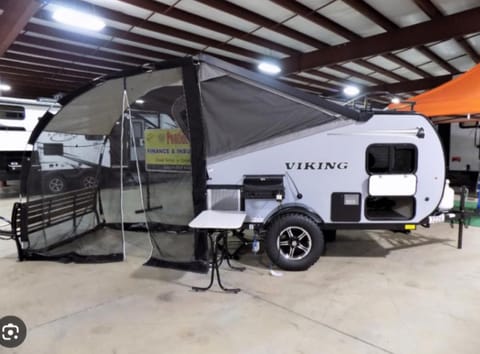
point(13, 109)
point(391, 157)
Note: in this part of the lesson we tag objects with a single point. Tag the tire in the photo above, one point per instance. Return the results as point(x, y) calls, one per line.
point(294, 242)
point(89, 181)
point(330, 235)
point(55, 184)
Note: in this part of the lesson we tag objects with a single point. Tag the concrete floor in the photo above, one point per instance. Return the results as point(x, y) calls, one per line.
point(372, 292)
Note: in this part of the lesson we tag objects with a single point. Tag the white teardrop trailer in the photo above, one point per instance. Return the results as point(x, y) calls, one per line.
point(379, 170)
point(385, 173)
point(298, 166)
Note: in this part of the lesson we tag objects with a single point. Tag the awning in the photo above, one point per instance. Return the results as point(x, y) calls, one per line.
point(458, 97)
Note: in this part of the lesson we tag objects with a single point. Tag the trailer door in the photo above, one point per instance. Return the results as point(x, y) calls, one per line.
point(392, 182)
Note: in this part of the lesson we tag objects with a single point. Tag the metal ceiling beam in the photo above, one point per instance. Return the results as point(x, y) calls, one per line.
point(429, 8)
point(20, 90)
point(216, 26)
point(16, 14)
point(317, 18)
point(70, 57)
point(435, 30)
point(79, 49)
point(401, 62)
point(350, 72)
point(324, 85)
point(114, 32)
point(433, 12)
point(468, 49)
point(40, 76)
point(414, 85)
point(14, 79)
point(334, 27)
point(238, 11)
point(134, 38)
point(307, 13)
point(127, 48)
point(371, 13)
point(380, 70)
point(99, 43)
point(265, 22)
point(235, 10)
point(73, 75)
point(311, 89)
point(57, 64)
point(436, 59)
point(44, 15)
point(328, 76)
point(170, 31)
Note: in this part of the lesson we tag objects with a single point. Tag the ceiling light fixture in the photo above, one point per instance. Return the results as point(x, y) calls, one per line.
point(5, 87)
point(269, 68)
point(395, 100)
point(351, 91)
point(78, 19)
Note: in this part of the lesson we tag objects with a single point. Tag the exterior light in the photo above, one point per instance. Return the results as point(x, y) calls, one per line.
point(5, 87)
point(269, 68)
point(78, 19)
point(395, 100)
point(139, 101)
point(351, 91)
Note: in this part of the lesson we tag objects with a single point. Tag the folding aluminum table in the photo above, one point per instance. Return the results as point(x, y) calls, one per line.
point(217, 223)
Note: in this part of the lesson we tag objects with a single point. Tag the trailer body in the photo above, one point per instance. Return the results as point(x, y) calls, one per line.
point(337, 171)
point(18, 118)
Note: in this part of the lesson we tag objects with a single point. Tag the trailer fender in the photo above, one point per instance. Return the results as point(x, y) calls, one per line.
point(293, 208)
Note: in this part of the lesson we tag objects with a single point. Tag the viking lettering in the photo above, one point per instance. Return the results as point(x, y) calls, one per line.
point(329, 165)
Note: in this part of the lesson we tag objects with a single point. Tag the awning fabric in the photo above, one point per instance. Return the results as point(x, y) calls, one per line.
point(458, 97)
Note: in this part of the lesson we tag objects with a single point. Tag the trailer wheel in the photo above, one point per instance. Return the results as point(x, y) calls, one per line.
point(294, 242)
point(55, 184)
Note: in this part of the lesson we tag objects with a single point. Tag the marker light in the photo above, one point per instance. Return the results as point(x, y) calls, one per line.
point(269, 68)
point(139, 101)
point(395, 100)
point(351, 91)
point(5, 87)
point(78, 19)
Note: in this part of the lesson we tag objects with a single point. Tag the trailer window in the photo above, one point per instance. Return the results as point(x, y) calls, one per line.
point(469, 125)
point(12, 112)
point(50, 149)
point(391, 158)
point(92, 137)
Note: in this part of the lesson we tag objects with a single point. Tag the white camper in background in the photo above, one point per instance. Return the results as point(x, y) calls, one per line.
point(67, 160)
point(18, 118)
point(69, 157)
point(464, 154)
point(465, 147)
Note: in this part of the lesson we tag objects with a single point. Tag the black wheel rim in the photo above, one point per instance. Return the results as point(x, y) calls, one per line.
point(294, 242)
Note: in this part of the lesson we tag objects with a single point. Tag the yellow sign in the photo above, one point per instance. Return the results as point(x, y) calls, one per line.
point(166, 150)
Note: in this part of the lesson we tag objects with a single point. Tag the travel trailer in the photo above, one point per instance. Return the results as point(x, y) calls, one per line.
point(65, 160)
point(385, 173)
point(298, 166)
point(464, 153)
point(18, 118)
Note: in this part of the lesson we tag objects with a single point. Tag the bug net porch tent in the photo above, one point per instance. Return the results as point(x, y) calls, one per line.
point(137, 143)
